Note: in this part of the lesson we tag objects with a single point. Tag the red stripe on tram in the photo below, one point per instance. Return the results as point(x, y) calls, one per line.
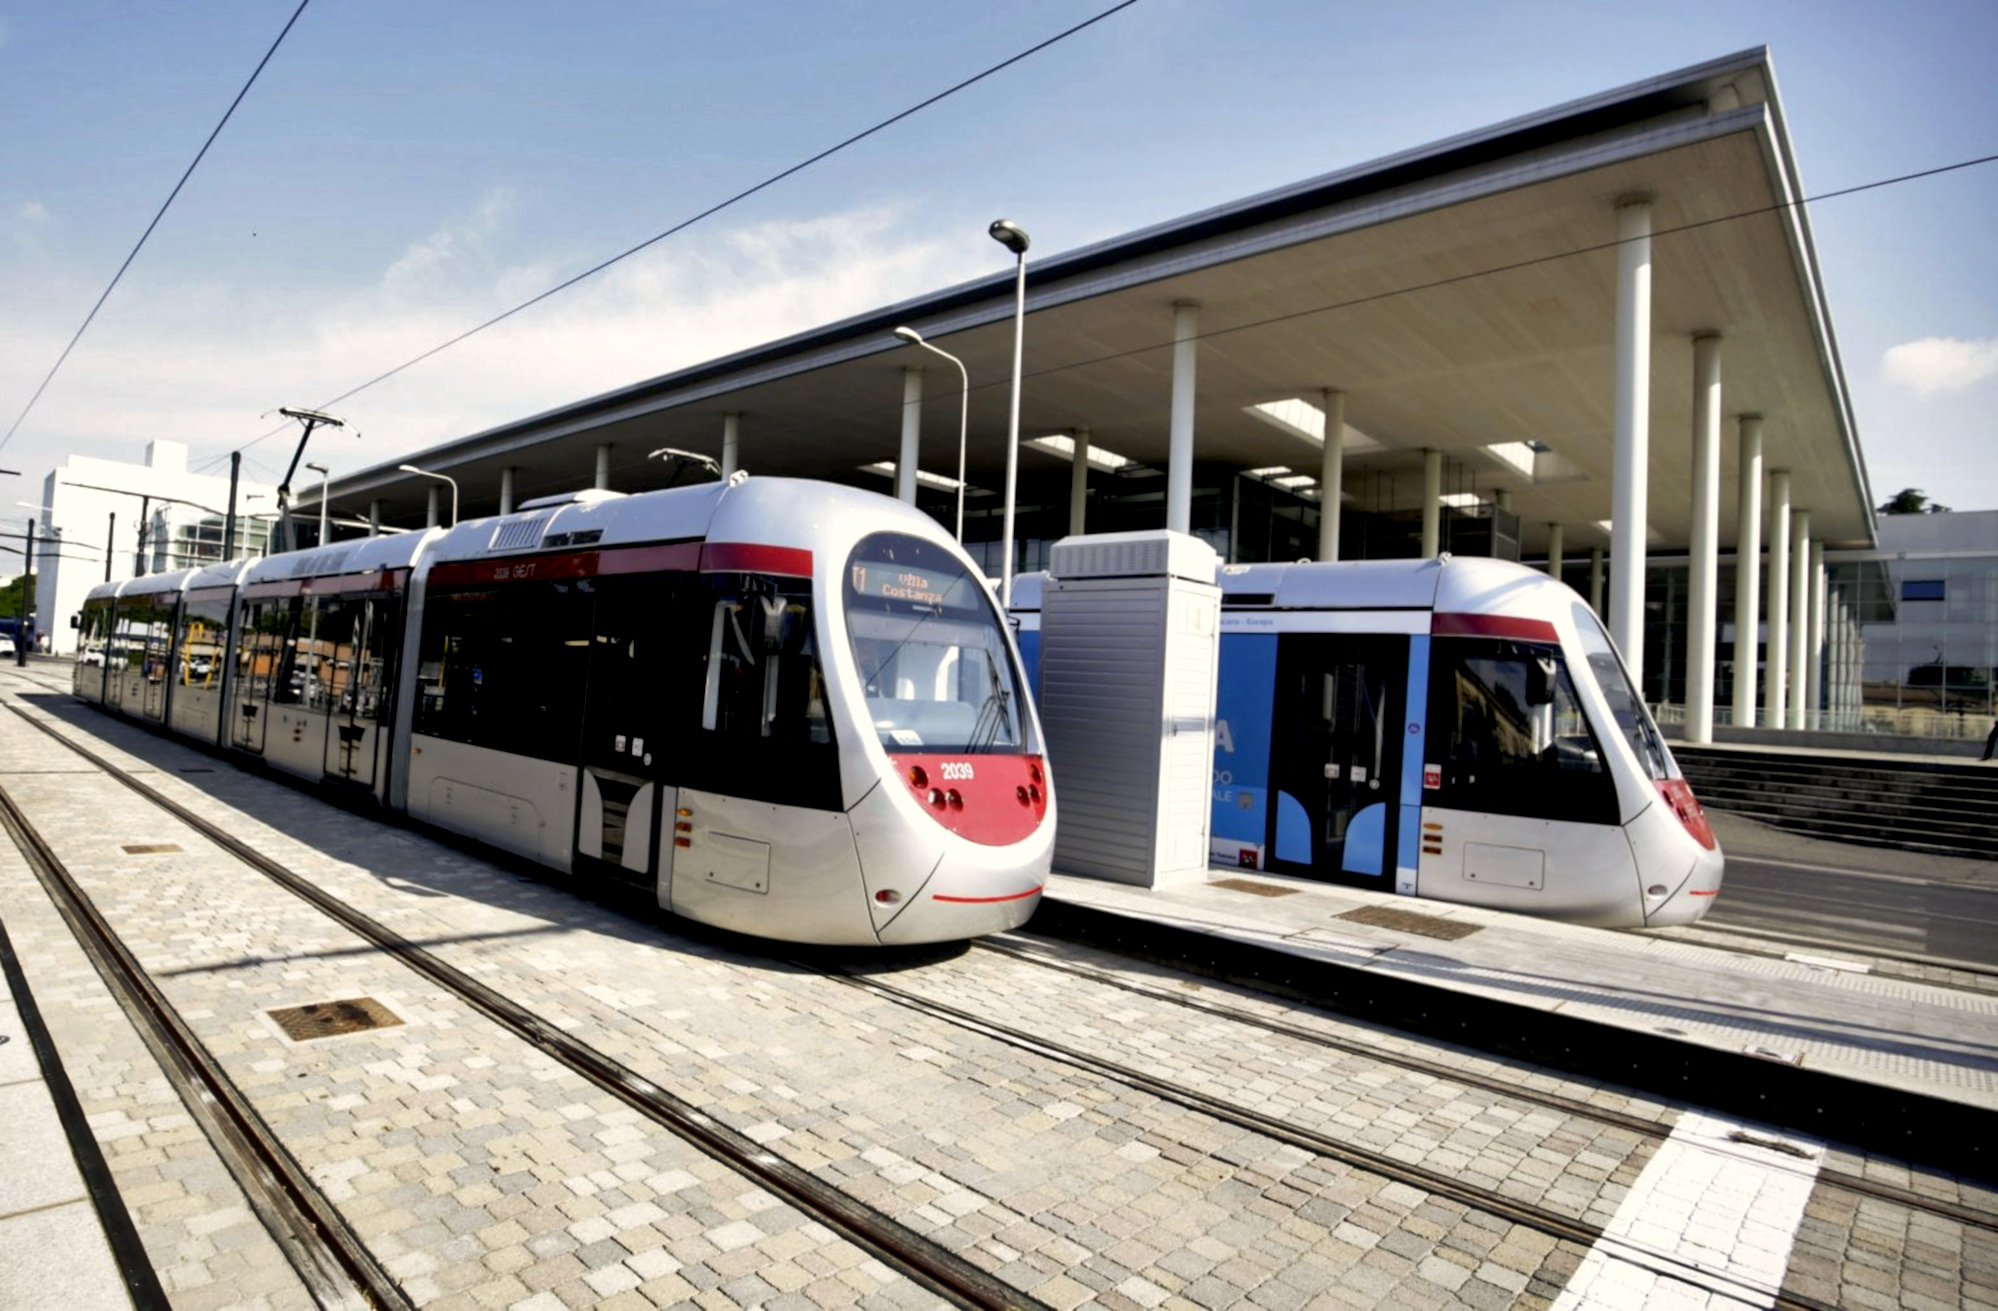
point(1473, 625)
point(752, 558)
point(982, 901)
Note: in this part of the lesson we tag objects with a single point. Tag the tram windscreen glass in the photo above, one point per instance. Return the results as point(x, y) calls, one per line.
point(1626, 706)
point(931, 652)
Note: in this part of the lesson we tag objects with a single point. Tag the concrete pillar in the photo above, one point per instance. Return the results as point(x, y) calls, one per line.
point(603, 467)
point(912, 436)
point(1179, 460)
point(1800, 615)
point(1556, 555)
point(1432, 504)
point(1502, 498)
point(1814, 669)
point(1630, 459)
point(430, 514)
point(1331, 473)
point(1748, 570)
point(374, 518)
point(1776, 663)
point(1596, 580)
point(731, 443)
point(506, 490)
point(1078, 483)
point(1703, 566)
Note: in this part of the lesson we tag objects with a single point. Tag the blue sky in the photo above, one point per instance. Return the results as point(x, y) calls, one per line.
point(400, 173)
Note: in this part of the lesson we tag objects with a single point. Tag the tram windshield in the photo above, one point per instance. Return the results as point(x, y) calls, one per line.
point(1626, 706)
point(927, 641)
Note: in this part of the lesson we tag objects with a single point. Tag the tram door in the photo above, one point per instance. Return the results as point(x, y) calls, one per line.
point(354, 631)
point(261, 649)
point(628, 747)
point(1335, 756)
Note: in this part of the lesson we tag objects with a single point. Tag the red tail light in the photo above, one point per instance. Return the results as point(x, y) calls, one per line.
point(1679, 796)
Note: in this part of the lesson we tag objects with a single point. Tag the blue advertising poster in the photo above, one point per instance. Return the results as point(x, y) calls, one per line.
point(1245, 692)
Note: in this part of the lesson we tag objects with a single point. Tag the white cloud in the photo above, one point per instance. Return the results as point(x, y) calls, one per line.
point(200, 363)
point(1941, 364)
point(31, 211)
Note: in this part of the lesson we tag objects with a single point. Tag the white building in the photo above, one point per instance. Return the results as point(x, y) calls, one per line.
point(150, 518)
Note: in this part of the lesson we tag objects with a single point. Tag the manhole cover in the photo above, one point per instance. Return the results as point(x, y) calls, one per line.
point(1429, 926)
point(150, 848)
point(1252, 887)
point(330, 1019)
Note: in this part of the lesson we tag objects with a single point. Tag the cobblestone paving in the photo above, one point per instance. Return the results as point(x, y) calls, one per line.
point(486, 1176)
point(197, 1228)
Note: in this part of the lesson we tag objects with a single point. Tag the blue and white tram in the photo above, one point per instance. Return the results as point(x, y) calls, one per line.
point(1458, 729)
point(789, 708)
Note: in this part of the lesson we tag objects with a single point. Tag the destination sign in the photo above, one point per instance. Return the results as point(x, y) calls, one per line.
point(894, 582)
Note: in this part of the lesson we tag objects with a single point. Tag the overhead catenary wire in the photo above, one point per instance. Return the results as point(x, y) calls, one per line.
point(716, 208)
point(116, 277)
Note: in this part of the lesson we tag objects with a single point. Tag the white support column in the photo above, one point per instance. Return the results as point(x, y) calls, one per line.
point(603, 467)
point(731, 443)
point(1800, 615)
point(1814, 670)
point(1432, 504)
point(374, 518)
point(430, 515)
point(1556, 552)
point(1078, 483)
point(1502, 498)
point(912, 436)
point(506, 490)
point(1630, 458)
point(1596, 580)
point(1776, 663)
point(1179, 460)
point(1703, 566)
point(1331, 473)
point(1748, 571)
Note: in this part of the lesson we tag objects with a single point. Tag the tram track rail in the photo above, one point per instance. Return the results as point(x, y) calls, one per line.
point(927, 1263)
point(1436, 1183)
point(1650, 1129)
point(330, 1258)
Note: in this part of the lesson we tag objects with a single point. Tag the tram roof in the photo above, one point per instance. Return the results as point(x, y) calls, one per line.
point(1461, 294)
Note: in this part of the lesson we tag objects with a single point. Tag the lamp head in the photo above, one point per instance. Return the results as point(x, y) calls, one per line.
point(407, 468)
point(910, 335)
point(1009, 234)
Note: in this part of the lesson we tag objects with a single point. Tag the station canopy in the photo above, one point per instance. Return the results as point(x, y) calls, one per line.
point(1461, 295)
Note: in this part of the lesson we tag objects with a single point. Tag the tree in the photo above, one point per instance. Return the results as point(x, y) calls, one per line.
point(1910, 500)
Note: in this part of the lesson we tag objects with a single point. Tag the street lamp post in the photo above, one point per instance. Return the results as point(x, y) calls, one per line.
point(324, 475)
point(425, 473)
point(1014, 238)
point(915, 338)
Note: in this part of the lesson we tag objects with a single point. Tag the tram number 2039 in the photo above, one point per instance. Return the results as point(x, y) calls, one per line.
point(957, 771)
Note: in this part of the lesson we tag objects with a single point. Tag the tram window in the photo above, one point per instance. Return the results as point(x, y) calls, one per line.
point(198, 640)
point(1626, 706)
point(932, 658)
point(507, 668)
point(764, 679)
point(1509, 733)
point(93, 632)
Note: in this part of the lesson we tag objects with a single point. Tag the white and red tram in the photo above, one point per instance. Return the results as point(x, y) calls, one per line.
point(790, 708)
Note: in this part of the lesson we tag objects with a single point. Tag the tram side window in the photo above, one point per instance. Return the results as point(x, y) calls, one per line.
point(1510, 735)
point(764, 678)
point(264, 647)
point(94, 629)
point(506, 668)
point(198, 641)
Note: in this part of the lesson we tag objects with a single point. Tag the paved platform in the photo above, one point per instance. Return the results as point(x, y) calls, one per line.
point(1824, 1010)
point(485, 1177)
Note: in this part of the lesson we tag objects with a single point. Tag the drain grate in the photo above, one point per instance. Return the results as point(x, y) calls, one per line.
point(1252, 887)
point(331, 1019)
point(150, 849)
point(1429, 926)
